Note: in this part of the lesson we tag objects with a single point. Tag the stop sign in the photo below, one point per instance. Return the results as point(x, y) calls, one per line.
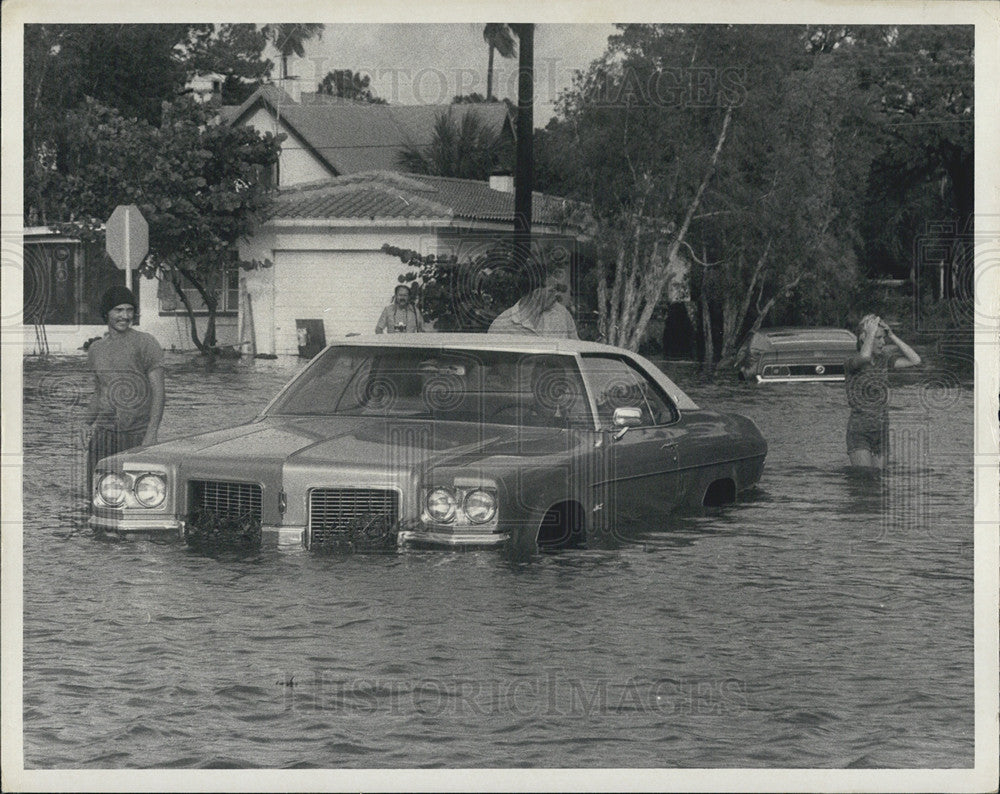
point(126, 236)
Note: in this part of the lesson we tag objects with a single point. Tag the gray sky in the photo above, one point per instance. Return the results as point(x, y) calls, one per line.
point(431, 63)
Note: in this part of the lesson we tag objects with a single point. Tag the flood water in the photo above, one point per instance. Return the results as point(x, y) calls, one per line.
point(826, 620)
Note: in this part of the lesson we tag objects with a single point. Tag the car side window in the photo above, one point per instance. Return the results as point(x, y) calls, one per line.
point(616, 383)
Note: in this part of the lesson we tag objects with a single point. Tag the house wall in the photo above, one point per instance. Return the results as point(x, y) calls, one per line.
point(338, 275)
point(172, 332)
point(296, 164)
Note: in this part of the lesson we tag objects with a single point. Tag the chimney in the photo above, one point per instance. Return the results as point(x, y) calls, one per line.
point(292, 86)
point(502, 182)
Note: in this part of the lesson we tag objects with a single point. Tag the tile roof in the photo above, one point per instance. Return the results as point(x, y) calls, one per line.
point(358, 136)
point(382, 195)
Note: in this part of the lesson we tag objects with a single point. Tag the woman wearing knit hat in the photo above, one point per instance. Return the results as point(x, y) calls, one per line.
point(129, 390)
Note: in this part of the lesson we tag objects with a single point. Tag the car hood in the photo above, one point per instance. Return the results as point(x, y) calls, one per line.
point(366, 442)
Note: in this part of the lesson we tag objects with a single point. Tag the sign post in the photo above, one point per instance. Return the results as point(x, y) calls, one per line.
point(126, 239)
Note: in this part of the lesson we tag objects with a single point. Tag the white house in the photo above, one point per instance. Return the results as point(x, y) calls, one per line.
point(325, 241)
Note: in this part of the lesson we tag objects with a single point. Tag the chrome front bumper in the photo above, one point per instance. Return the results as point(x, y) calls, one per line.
point(439, 539)
point(294, 537)
point(152, 526)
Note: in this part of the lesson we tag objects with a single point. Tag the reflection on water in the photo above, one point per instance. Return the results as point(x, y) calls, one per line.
point(824, 620)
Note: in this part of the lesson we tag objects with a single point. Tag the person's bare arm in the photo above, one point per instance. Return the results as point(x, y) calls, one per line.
point(864, 355)
point(90, 414)
point(86, 423)
point(157, 388)
point(912, 358)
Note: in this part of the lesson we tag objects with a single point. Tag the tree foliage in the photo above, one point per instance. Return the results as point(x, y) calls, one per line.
point(461, 146)
point(475, 98)
point(346, 84)
point(500, 38)
point(742, 156)
point(920, 82)
point(131, 68)
point(289, 39)
point(201, 187)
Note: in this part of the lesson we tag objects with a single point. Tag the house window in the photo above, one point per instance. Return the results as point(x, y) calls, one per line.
point(270, 176)
point(229, 296)
point(64, 280)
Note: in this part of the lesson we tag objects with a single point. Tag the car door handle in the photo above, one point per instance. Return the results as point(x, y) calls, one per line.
point(669, 445)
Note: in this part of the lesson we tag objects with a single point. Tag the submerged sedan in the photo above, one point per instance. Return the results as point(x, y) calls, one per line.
point(446, 440)
point(794, 354)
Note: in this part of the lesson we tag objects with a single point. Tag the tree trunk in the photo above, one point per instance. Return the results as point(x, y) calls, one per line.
point(734, 318)
point(614, 315)
point(706, 324)
point(191, 318)
point(489, 76)
point(658, 283)
point(208, 344)
point(602, 302)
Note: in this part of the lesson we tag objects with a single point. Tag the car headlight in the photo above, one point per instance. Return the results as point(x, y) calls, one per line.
point(480, 506)
point(441, 505)
point(150, 490)
point(113, 489)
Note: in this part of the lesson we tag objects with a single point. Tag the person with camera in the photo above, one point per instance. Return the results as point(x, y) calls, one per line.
point(400, 316)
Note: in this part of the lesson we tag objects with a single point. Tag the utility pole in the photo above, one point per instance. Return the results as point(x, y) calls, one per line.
point(523, 153)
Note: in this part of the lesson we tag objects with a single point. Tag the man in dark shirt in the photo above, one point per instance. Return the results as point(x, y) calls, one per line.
point(866, 376)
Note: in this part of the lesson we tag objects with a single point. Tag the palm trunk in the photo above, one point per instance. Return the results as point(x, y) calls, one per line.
point(489, 76)
point(524, 160)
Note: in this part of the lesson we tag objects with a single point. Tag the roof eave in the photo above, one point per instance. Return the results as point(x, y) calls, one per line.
point(438, 222)
point(341, 223)
point(263, 101)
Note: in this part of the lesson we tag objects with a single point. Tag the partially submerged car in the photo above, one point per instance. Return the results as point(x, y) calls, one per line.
point(446, 440)
point(795, 354)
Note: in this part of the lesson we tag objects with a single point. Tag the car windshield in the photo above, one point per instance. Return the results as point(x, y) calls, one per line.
point(531, 389)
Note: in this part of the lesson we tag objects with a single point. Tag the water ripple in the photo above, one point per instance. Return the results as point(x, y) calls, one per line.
point(825, 620)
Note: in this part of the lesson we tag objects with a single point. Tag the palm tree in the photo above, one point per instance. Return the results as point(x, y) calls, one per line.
point(461, 146)
point(288, 39)
point(499, 37)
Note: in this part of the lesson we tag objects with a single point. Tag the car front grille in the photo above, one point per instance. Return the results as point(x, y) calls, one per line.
point(802, 370)
point(336, 514)
point(227, 499)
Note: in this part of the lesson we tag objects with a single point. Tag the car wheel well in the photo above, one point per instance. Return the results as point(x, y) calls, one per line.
point(720, 492)
point(562, 527)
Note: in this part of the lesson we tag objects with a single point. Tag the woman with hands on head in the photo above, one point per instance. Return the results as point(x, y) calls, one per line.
point(866, 376)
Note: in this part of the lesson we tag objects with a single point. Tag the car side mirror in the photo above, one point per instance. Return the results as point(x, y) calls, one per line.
point(624, 418)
